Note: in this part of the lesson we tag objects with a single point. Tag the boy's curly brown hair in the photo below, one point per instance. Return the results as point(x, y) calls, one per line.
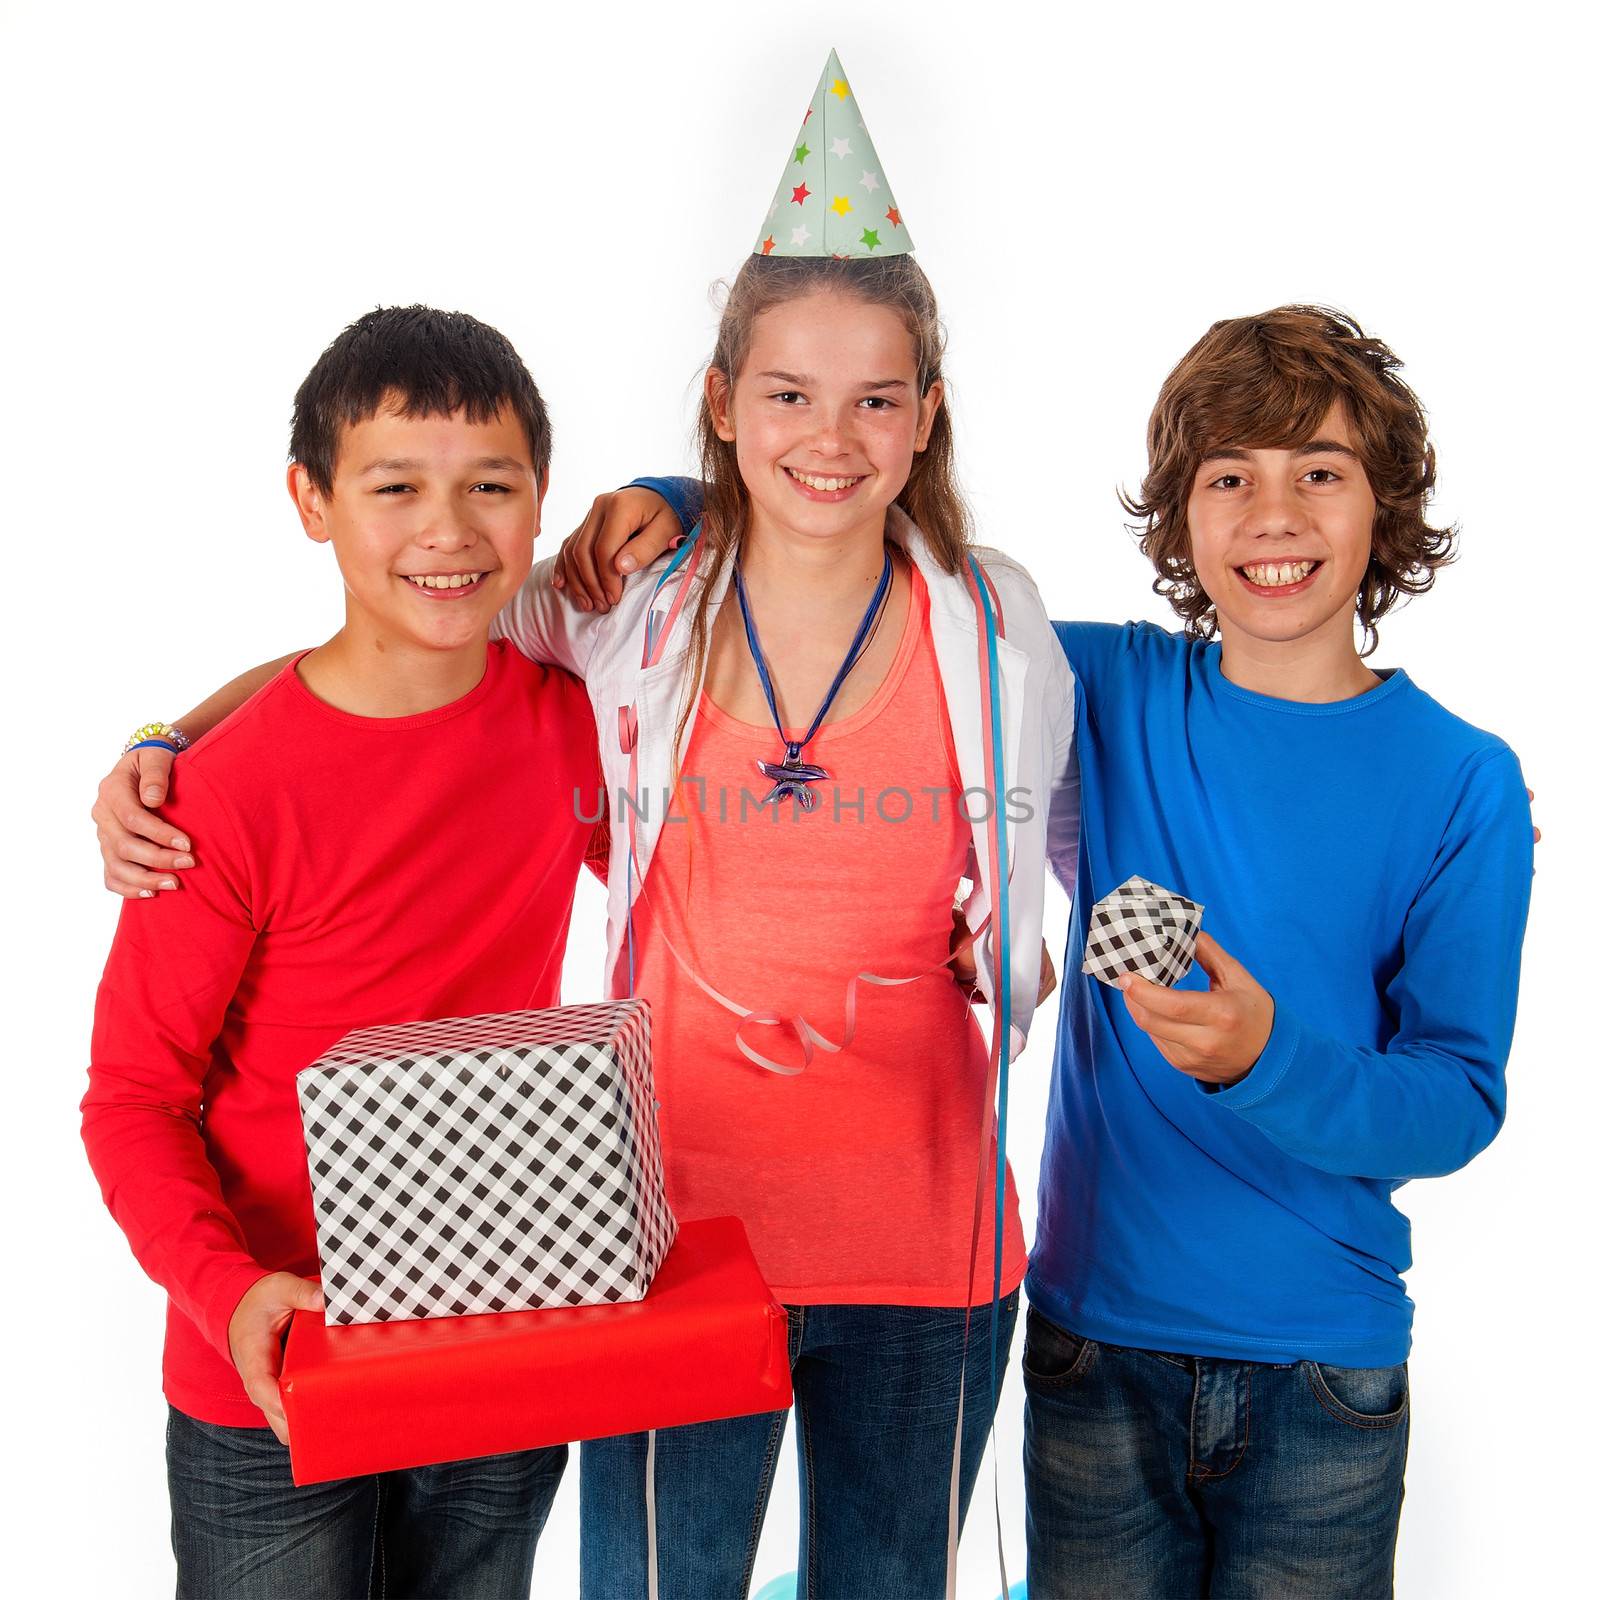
point(1267, 382)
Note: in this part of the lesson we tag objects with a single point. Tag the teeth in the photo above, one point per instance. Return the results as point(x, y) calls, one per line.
point(1274, 574)
point(453, 580)
point(827, 485)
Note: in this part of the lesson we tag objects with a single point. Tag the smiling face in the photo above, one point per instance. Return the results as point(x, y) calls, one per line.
point(432, 520)
point(1281, 539)
point(825, 416)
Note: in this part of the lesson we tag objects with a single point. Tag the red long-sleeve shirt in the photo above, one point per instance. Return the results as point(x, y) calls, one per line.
point(351, 871)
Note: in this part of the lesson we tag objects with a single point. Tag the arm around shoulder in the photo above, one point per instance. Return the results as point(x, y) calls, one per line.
point(218, 707)
point(142, 851)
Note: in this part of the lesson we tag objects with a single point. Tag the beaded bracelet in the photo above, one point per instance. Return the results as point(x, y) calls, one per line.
point(157, 733)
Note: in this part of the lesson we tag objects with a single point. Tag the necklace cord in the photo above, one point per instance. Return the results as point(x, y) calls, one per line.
point(857, 649)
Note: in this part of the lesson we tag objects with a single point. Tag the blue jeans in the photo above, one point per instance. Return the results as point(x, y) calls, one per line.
point(1163, 1477)
point(241, 1530)
point(875, 1388)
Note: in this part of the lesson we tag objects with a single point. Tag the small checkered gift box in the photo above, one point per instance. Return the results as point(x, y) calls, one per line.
point(489, 1163)
point(1143, 929)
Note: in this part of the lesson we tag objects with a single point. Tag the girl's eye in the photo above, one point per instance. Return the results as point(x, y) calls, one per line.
point(878, 402)
point(789, 396)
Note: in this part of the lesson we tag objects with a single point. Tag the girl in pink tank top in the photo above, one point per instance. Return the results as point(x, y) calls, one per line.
point(818, 830)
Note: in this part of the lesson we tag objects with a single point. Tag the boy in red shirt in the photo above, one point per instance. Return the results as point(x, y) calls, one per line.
point(420, 452)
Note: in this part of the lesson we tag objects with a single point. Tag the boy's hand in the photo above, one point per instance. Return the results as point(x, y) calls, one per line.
point(593, 560)
point(255, 1338)
point(142, 853)
point(1217, 1036)
point(1047, 974)
point(964, 965)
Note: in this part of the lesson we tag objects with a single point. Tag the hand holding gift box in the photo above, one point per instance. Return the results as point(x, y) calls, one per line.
point(255, 1339)
point(1142, 939)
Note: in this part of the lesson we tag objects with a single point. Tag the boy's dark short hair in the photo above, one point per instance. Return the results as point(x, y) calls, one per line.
point(1267, 382)
point(432, 362)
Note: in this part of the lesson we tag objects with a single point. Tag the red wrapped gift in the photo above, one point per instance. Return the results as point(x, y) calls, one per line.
point(707, 1342)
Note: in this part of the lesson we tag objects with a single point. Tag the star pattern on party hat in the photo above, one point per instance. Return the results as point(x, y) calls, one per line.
point(833, 199)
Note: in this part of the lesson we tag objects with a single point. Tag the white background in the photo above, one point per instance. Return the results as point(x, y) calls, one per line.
point(197, 199)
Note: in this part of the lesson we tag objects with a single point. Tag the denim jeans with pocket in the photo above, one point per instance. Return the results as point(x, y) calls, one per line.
point(1154, 1476)
point(242, 1530)
point(875, 1391)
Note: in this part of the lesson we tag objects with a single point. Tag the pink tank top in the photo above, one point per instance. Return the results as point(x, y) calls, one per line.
point(855, 1179)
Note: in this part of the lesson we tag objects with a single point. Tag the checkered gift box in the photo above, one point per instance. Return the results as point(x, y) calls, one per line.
point(486, 1164)
point(1143, 929)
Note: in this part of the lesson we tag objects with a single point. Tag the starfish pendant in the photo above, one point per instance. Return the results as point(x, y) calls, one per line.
point(790, 777)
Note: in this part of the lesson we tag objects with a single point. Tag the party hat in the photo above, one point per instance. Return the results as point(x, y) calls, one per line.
point(833, 200)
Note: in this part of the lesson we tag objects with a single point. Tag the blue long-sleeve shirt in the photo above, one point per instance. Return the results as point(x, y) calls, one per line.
point(1369, 861)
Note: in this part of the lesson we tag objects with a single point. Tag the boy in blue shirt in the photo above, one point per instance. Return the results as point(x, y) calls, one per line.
point(1218, 1330)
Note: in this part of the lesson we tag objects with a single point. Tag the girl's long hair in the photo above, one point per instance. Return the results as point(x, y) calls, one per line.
point(930, 498)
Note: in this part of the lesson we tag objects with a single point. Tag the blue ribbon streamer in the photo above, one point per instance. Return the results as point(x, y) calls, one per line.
point(999, 901)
